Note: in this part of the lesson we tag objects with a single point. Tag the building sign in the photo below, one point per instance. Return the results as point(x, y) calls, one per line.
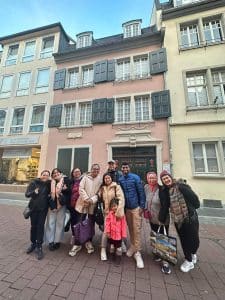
point(14, 153)
point(19, 141)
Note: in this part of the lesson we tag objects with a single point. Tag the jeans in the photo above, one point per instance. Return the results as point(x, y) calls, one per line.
point(54, 228)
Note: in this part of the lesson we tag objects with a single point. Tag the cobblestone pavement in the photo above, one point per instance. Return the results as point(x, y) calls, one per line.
point(84, 276)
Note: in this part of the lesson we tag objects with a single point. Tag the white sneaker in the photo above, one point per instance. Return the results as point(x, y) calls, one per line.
point(89, 247)
point(130, 252)
point(74, 250)
point(187, 266)
point(111, 249)
point(119, 251)
point(139, 260)
point(194, 258)
point(103, 254)
point(124, 247)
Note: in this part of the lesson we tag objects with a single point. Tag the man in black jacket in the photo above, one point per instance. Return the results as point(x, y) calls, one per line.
point(38, 190)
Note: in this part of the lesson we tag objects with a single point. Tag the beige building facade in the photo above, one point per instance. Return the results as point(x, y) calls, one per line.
point(195, 43)
point(26, 93)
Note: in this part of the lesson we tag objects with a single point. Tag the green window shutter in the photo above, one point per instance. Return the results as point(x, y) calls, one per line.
point(81, 159)
point(99, 111)
point(100, 71)
point(110, 110)
point(55, 116)
point(158, 61)
point(59, 79)
point(64, 160)
point(111, 70)
point(161, 105)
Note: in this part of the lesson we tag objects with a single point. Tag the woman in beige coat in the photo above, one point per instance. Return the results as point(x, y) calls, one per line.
point(107, 192)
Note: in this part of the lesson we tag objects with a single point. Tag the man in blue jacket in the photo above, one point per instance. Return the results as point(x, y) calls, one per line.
point(134, 205)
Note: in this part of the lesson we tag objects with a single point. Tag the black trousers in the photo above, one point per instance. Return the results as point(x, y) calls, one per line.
point(189, 237)
point(75, 217)
point(37, 220)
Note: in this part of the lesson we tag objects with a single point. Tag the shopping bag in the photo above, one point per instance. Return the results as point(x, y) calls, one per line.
point(164, 246)
point(83, 231)
point(98, 214)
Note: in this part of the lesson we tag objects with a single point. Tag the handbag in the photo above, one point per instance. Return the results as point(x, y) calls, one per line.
point(164, 246)
point(83, 231)
point(27, 212)
point(98, 213)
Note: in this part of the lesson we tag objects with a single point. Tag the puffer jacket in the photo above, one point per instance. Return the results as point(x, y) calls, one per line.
point(88, 189)
point(107, 193)
point(133, 191)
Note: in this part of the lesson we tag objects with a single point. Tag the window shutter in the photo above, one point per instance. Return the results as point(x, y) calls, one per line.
point(59, 79)
point(81, 157)
point(111, 70)
point(110, 110)
point(158, 61)
point(161, 105)
point(55, 116)
point(64, 164)
point(99, 111)
point(100, 71)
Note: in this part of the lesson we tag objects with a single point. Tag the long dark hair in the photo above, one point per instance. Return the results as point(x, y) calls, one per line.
point(103, 178)
point(56, 169)
point(71, 174)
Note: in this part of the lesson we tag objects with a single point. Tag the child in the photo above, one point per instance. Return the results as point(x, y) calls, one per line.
point(115, 228)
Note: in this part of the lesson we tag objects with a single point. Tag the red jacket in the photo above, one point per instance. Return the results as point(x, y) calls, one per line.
point(115, 227)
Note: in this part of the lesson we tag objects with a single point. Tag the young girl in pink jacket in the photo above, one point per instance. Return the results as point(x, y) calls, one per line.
point(115, 228)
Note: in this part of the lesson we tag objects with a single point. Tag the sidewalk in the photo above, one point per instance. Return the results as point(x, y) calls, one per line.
point(59, 276)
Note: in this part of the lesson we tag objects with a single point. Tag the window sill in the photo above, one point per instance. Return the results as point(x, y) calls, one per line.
point(209, 107)
point(117, 81)
point(202, 45)
point(75, 126)
point(133, 122)
point(209, 176)
point(41, 92)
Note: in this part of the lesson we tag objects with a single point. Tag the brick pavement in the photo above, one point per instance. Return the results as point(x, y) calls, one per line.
point(59, 276)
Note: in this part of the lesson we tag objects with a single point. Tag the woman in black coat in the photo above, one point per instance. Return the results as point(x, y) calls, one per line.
point(182, 203)
point(38, 190)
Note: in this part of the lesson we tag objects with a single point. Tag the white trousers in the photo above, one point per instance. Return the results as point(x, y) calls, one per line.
point(54, 227)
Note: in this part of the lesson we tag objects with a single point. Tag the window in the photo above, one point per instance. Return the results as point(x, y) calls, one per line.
point(123, 110)
point(87, 75)
point(42, 81)
point(6, 86)
point(47, 47)
point(131, 29)
point(183, 2)
point(142, 108)
point(205, 157)
point(73, 78)
point(84, 40)
point(123, 69)
point(29, 51)
point(17, 121)
point(141, 66)
point(197, 91)
point(212, 31)
point(37, 120)
point(12, 55)
point(189, 36)
point(69, 115)
point(85, 113)
point(2, 120)
point(218, 78)
point(224, 151)
point(24, 84)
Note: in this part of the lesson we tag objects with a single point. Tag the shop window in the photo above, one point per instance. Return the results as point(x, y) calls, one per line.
point(37, 120)
point(17, 121)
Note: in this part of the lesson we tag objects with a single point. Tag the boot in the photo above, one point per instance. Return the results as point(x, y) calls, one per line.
point(31, 248)
point(40, 254)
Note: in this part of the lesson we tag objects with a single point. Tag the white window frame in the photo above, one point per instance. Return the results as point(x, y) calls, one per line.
point(17, 129)
point(23, 91)
point(44, 87)
point(90, 75)
point(2, 128)
point(47, 52)
point(69, 117)
point(123, 69)
point(84, 40)
point(189, 27)
point(12, 59)
point(122, 113)
point(212, 32)
point(141, 66)
point(73, 83)
point(6, 93)
point(196, 86)
point(85, 117)
point(33, 125)
point(131, 29)
point(144, 112)
point(27, 58)
point(220, 84)
point(185, 2)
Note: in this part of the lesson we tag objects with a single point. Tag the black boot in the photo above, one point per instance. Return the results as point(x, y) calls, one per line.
point(51, 247)
point(56, 246)
point(31, 248)
point(40, 254)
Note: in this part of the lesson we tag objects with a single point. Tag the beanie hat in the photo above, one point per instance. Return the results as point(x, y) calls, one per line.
point(165, 173)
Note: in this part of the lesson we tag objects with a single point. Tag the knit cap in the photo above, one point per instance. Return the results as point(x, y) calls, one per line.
point(165, 173)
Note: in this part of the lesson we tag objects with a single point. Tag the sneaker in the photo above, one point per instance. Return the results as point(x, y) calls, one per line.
point(40, 254)
point(31, 248)
point(89, 247)
point(156, 258)
point(139, 260)
point(111, 249)
point(124, 247)
point(130, 252)
point(187, 266)
point(194, 258)
point(51, 247)
point(56, 246)
point(103, 254)
point(74, 250)
point(166, 268)
point(119, 251)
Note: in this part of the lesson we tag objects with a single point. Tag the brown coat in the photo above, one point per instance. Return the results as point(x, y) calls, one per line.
point(107, 193)
point(88, 189)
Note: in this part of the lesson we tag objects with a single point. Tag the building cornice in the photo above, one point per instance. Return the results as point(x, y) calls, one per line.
point(184, 10)
point(197, 123)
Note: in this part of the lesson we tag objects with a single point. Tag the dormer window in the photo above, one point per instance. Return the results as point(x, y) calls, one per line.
point(184, 2)
point(84, 39)
point(132, 28)
point(47, 47)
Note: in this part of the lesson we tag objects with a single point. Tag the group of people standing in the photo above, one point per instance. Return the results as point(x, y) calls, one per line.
point(125, 201)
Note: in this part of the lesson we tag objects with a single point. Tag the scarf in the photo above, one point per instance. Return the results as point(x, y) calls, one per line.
point(56, 189)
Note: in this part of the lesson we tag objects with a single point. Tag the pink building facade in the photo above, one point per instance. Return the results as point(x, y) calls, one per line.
point(110, 102)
